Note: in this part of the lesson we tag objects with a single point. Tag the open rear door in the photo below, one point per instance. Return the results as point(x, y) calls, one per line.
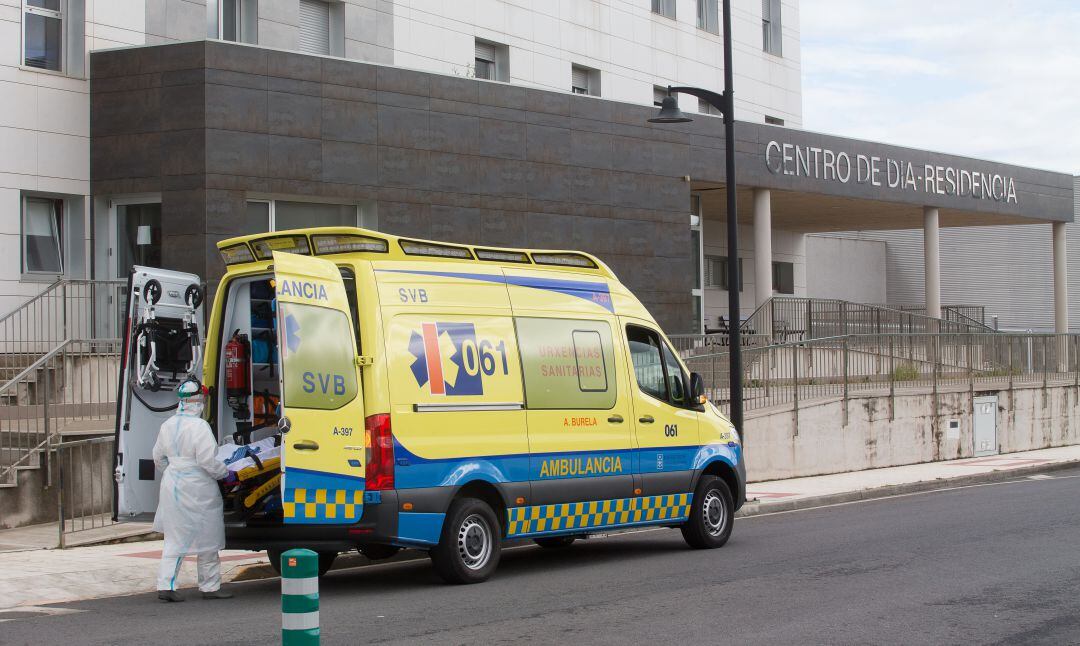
point(162, 347)
point(322, 402)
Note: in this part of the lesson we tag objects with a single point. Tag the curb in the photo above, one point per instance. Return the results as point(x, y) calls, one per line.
point(999, 475)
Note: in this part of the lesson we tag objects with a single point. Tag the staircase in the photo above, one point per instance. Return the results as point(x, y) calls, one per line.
point(59, 368)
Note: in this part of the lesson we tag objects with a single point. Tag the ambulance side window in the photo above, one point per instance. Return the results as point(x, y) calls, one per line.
point(567, 364)
point(648, 366)
point(315, 372)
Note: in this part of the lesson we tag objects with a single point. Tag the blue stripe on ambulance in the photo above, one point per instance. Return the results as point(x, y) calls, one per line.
point(594, 292)
point(414, 471)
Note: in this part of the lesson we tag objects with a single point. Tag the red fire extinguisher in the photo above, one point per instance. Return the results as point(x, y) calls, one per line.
point(238, 373)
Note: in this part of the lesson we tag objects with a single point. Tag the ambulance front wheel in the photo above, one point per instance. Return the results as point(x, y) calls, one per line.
point(326, 560)
point(468, 549)
point(712, 515)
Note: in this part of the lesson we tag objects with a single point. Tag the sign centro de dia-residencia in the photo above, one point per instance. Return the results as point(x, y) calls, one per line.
point(840, 166)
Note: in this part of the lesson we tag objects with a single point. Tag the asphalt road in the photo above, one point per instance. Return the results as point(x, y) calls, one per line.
point(994, 564)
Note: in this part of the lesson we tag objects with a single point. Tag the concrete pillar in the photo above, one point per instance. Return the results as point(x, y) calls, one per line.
point(1061, 280)
point(763, 245)
point(932, 262)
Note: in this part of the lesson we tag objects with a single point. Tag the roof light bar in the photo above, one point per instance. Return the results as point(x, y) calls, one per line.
point(342, 243)
point(265, 248)
point(414, 248)
point(564, 259)
point(502, 256)
point(236, 254)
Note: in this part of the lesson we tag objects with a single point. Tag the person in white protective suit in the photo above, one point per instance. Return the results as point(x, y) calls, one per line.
point(189, 509)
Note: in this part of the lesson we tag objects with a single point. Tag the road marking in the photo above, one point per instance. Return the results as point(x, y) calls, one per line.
point(30, 612)
point(1041, 476)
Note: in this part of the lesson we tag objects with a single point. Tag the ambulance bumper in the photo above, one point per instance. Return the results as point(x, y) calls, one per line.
point(378, 524)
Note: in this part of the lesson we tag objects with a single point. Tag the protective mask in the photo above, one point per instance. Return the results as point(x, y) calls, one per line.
point(191, 408)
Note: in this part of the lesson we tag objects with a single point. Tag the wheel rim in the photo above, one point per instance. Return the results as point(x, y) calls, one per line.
point(474, 542)
point(713, 513)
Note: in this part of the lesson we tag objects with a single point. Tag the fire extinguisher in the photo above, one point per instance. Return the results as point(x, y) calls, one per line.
point(238, 373)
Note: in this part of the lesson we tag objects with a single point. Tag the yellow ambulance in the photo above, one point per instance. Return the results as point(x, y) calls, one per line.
point(377, 392)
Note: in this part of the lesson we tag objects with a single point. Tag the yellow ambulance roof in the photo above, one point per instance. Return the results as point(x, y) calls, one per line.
point(374, 245)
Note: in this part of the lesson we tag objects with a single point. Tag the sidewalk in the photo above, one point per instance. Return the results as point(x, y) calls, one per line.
point(40, 577)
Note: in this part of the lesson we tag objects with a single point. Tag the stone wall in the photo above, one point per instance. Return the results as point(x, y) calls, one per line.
point(1027, 419)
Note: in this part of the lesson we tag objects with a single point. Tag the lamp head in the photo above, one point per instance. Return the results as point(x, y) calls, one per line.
point(670, 112)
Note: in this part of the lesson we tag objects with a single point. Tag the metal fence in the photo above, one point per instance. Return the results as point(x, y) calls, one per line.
point(67, 309)
point(971, 314)
point(68, 390)
point(785, 319)
point(84, 486)
point(883, 364)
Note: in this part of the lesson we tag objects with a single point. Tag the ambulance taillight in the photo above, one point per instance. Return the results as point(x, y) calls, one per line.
point(379, 450)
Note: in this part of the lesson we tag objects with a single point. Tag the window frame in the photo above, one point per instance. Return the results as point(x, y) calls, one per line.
point(662, 345)
point(660, 8)
point(708, 16)
point(366, 212)
point(498, 60)
point(58, 226)
point(772, 27)
point(777, 266)
point(592, 79)
point(724, 281)
point(61, 15)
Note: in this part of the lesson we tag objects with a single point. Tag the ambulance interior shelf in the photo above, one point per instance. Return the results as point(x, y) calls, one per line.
point(250, 396)
point(249, 401)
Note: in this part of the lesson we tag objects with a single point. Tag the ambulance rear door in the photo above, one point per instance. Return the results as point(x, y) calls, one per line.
point(323, 453)
point(162, 346)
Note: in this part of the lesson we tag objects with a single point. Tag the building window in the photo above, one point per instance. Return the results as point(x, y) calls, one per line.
point(492, 61)
point(774, 121)
point(716, 272)
point(279, 215)
point(42, 234)
point(783, 277)
point(704, 107)
point(231, 20)
point(665, 8)
point(314, 27)
point(584, 80)
point(771, 34)
point(708, 16)
point(659, 93)
point(43, 34)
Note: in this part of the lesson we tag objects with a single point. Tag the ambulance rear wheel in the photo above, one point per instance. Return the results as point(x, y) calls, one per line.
point(326, 560)
point(468, 550)
point(712, 515)
point(554, 542)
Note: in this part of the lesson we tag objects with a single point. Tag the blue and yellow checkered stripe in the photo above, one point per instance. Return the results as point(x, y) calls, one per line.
point(598, 513)
point(330, 505)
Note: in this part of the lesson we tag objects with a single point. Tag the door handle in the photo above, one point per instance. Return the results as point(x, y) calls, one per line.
point(646, 419)
point(306, 445)
point(615, 419)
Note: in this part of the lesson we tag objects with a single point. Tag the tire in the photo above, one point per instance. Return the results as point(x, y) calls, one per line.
point(326, 560)
point(555, 542)
point(712, 515)
point(468, 550)
point(377, 552)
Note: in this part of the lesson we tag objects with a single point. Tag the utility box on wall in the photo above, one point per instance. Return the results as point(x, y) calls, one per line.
point(985, 426)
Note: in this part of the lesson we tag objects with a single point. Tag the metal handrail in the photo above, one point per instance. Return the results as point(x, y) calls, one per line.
point(44, 359)
point(41, 295)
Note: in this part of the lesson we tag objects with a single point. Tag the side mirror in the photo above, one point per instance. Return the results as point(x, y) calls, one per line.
point(697, 388)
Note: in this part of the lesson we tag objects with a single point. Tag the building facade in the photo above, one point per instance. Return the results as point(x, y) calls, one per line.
point(490, 121)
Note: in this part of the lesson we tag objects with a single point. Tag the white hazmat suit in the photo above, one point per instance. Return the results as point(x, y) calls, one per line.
point(189, 509)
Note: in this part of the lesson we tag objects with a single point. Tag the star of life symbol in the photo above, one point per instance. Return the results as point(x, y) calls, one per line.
point(439, 364)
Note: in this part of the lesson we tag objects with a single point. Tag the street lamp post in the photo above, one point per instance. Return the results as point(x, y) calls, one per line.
point(670, 113)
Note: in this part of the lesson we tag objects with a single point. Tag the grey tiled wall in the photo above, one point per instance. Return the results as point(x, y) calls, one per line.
point(450, 158)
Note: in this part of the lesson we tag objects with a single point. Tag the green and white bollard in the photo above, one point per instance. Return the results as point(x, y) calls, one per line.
point(299, 598)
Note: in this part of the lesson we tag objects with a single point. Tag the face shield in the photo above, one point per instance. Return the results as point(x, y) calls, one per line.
point(192, 396)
